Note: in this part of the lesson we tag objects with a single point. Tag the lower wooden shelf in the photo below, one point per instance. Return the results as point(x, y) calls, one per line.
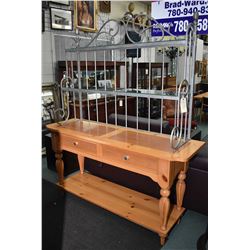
point(132, 205)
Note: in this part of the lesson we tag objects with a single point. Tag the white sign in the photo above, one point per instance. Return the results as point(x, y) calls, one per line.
point(177, 14)
point(103, 83)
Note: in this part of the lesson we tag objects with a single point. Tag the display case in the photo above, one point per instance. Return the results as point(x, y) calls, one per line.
point(90, 72)
point(154, 77)
point(49, 100)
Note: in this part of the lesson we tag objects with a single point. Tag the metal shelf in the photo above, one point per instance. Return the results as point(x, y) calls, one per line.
point(156, 94)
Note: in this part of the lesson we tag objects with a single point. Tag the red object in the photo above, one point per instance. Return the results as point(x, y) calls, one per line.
point(171, 123)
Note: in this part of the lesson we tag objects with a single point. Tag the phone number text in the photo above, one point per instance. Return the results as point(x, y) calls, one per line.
point(202, 10)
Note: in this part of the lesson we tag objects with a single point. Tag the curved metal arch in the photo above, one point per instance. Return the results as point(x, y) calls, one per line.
point(125, 25)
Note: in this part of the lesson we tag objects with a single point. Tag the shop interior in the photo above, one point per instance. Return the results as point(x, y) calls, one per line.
point(88, 78)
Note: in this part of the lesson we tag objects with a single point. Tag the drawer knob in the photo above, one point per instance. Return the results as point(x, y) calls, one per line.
point(125, 157)
point(75, 143)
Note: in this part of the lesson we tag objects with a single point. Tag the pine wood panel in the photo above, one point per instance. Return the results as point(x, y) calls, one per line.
point(144, 142)
point(202, 95)
point(134, 206)
point(139, 151)
point(77, 145)
point(129, 159)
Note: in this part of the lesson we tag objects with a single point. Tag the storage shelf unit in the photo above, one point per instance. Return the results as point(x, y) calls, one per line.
point(163, 158)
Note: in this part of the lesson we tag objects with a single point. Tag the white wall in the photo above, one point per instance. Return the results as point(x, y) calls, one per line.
point(53, 46)
point(118, 8)
point(48, 46)
point(47, 59)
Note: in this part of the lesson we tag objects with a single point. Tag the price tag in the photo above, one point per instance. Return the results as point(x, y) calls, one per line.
point(120, 103)
point(183, 105)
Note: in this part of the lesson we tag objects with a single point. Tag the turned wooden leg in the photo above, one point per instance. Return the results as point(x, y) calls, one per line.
point(60, 167)
point(164, 206)
point(180, 189)
point(162, 239)
point(81, 163)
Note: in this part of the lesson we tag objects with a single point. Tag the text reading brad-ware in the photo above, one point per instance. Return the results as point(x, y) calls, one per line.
point(186, 3)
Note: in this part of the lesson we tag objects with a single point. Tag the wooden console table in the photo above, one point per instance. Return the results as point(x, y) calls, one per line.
point(142, 152)
point(202, 95)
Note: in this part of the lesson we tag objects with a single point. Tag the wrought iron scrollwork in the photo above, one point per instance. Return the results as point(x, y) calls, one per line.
point(115, 33)
point(177, 131)
point(64, 112)
point(123, 25)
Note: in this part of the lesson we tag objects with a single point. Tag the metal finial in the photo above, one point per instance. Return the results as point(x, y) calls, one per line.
point(196, 16)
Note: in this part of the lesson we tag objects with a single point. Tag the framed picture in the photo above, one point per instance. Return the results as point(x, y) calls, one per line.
point(102, 83)
point(61, 19)
point(105, 6)
point(45, 5)
point(85, 15)
point(61, 2)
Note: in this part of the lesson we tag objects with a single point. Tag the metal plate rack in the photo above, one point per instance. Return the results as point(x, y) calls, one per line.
point(72, 87)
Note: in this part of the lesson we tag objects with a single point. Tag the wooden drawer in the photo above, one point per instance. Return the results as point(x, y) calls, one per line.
point(78, 146)
point(129, 160)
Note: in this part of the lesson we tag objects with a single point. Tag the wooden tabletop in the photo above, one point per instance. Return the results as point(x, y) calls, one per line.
point(202, 95)
point(140, 141)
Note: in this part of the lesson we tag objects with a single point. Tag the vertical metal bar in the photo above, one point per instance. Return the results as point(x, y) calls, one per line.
point(175, 102)
point(67, 68)
point(87, 82)
point(192, 78)
point(62, 99)
point(181, 125)
point(79, 83)
point(185, 115)
point(137, 91)
point(106, 109)
point(115, 87)
point(186, 67)
point(176, 66)
point(186, 118)
point(66, 74)
point(72, 77)
point(189, 73)
point(130, 65)
point(149, 87)
point(126, 111)
point(189, 61)
point(185, 125)
point(186, 55)
point(162, 85)
point(96, 101)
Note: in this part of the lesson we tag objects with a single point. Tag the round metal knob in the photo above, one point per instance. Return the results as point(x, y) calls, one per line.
point(125, 157)
point(75, 143)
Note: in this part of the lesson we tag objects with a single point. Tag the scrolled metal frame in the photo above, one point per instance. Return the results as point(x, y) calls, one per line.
point(125, 25)
point(68, 82)
point(176, 133)
point(180, 133)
